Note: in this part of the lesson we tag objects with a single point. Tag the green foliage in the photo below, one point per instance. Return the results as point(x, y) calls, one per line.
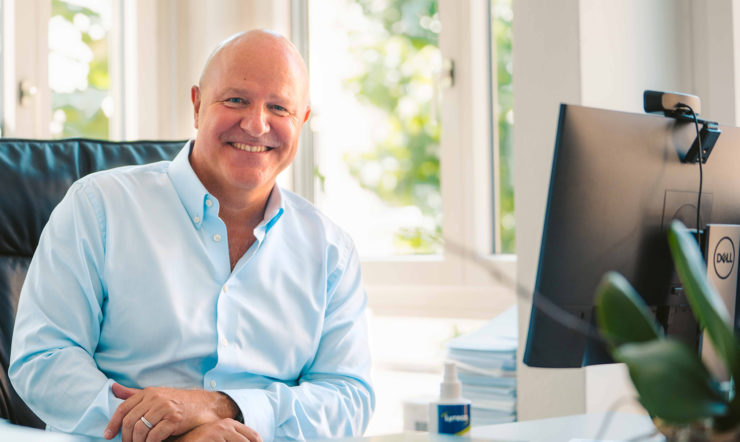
point(79, 125)
point(671, 380)
point(418, 240)
point(616, 300)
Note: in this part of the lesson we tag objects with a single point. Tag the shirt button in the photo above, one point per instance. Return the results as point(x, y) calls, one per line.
point(209, 203)
point(196, 220)
point(224, 342)
point(226, 289)
point(213, 384)
point(217, 237)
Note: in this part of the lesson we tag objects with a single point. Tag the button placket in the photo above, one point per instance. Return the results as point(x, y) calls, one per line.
point(224, 342)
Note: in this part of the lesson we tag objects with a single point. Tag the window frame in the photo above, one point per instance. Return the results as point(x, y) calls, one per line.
point(25, 51)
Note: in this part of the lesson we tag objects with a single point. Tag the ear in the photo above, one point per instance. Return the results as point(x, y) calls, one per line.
point(195, 98)
point(308, 113)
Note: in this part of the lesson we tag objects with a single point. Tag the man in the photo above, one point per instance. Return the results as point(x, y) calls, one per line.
point(195, 298)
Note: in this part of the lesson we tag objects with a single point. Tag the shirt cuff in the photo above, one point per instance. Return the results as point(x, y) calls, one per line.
point(256, 409)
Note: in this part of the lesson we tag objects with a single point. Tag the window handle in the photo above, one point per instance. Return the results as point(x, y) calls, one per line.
point(26, 92)
point(446, 76)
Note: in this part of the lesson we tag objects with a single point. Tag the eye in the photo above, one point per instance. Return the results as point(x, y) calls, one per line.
point(234, 101)
point(279, 110)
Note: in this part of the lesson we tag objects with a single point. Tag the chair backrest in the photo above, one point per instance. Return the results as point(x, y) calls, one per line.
point(34, 177)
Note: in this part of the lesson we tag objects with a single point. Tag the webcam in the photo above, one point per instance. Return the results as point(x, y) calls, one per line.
point(670, 104)
point(680, 106)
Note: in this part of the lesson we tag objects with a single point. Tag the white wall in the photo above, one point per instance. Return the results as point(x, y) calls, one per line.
point(604, 54)
point(546, 72)
point(630, 46)
point(715, 62)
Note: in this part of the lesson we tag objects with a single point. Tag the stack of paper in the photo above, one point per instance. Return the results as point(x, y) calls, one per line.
point(486, 366)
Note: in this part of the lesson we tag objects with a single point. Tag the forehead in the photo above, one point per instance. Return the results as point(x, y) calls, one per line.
point(258, 64)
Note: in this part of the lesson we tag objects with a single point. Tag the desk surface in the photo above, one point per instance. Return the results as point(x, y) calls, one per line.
point(583, 427)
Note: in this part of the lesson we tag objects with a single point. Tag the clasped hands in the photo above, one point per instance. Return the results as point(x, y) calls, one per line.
point(187, 415)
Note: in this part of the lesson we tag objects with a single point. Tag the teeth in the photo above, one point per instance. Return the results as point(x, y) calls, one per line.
point(248, 148)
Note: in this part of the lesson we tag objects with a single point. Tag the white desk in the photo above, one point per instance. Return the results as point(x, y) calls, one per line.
point(621, 427)
point(584, 427)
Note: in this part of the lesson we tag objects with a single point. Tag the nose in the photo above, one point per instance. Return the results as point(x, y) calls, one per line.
point(254, 121)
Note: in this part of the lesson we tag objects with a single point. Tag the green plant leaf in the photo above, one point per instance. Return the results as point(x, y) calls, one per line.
point(672, 382)
point(705, 302)
point(622, 315)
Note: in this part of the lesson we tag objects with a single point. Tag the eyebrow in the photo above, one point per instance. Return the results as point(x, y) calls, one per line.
point(241, 91)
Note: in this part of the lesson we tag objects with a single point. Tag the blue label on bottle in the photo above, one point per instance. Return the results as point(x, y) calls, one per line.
point(453, 419)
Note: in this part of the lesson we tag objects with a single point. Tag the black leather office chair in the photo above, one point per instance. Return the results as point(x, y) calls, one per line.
point(34, 176)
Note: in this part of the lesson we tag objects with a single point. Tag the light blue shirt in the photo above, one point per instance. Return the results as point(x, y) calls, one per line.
point(131, 282)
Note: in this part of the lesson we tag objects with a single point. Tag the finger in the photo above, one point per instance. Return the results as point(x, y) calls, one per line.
point(114, 426)
point(140, 431)
point(249, 433)
point(122, 392)
point(156, 415)
point(132, 421)
point(161, 431)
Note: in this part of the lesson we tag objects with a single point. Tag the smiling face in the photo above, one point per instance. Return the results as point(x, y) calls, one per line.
point(249, 108)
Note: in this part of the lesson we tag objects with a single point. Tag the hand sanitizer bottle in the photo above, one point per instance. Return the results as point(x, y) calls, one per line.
point(451, 414)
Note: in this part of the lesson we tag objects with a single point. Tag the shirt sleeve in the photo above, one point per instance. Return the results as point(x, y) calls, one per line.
point(334, 396)
point(57, 324)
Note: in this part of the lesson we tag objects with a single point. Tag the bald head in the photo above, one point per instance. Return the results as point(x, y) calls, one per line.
point(254, 48)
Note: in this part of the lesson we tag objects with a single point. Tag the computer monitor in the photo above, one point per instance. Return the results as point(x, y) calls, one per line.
point(617, 182)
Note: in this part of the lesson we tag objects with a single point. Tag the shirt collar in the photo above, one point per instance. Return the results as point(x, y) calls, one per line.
point(273, 210)
point(193, 194)
point(191, 191)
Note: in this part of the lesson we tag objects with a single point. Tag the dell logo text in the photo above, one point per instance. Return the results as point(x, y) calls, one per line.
point(724, 258)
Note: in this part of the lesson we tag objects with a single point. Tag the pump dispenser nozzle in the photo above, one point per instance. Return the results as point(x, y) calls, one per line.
point(450, 388)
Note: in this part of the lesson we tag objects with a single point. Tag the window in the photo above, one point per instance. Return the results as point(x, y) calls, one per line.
point(375, 96)
point(79, 76)
point(503, 122)
point(56, 67)
point(406, 153)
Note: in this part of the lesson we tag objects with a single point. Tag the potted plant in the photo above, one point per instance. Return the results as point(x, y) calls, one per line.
point(673, 384)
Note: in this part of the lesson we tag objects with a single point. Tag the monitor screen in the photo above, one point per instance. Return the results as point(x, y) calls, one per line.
point(617, 181)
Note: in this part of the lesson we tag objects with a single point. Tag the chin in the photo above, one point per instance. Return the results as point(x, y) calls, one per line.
point(249, 183)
